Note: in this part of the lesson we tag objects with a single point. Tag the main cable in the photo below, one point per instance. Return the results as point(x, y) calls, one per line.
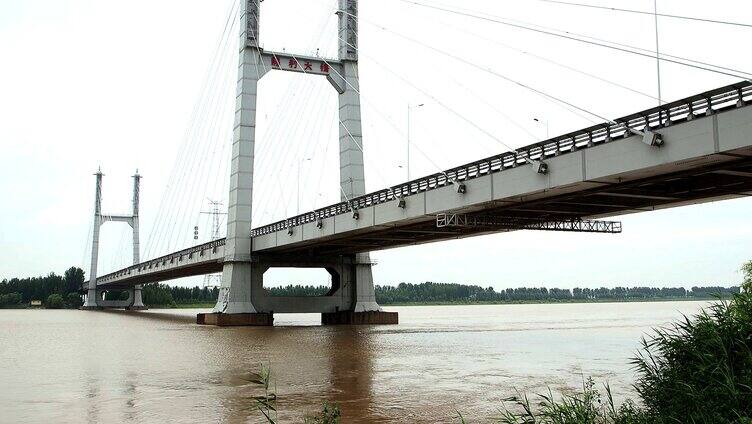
point(664, 57)
point(641, 12)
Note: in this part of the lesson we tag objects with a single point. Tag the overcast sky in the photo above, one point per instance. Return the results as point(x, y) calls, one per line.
point(150, 85)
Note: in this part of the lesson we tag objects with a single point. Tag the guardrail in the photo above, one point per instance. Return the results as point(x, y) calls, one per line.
point(212, 245)
point(703, 104)
point(707, 103)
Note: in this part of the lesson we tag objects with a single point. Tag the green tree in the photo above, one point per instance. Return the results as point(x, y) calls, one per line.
point(73, 278)
point(55, 301)
point(747, 270)
point(73, 300)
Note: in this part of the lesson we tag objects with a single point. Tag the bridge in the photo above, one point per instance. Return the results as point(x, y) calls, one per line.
point(689, 151)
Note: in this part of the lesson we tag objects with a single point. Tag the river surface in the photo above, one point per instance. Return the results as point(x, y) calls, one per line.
point(158, 366)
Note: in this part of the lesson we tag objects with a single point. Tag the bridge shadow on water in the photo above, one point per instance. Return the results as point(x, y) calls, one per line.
point(155, 316)
point(310, 364)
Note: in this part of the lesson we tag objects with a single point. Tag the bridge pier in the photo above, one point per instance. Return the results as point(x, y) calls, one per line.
point(138, 302)
point(99, 302)
point(351, 300)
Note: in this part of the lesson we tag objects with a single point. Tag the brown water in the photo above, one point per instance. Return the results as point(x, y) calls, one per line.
point(157, 366)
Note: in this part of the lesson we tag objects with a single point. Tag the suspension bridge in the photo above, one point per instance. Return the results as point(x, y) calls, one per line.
point(688, 151)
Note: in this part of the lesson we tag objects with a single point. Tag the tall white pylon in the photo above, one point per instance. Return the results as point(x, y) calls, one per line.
point(99, 219)
point(235, 294)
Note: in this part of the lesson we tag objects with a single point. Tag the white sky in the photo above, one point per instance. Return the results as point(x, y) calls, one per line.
point(87, 83)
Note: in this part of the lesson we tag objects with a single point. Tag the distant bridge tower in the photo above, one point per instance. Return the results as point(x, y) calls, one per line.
point(94, 297)
point(352, 298)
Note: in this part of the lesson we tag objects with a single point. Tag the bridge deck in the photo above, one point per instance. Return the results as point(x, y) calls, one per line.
point(600, 171)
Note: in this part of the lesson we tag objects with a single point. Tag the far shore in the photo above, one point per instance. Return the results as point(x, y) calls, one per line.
point(210, 305)
point(521, 302)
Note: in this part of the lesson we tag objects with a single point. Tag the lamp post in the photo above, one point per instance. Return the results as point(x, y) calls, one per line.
point(297, 197)
point(409, 109)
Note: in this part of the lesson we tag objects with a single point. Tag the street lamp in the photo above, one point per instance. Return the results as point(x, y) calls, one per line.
point(297, 198)
point(542, 122)
point(409, 109)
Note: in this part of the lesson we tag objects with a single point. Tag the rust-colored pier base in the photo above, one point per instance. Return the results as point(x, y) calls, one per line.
point(235, 320)
point(136, 308)
point(359, 318)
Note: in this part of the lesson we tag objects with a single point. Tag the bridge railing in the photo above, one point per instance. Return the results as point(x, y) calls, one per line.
point(163, 260)
point(704, 104)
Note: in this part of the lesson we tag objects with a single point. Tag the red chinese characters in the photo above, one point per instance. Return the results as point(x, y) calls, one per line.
point(275, 62)
point(307, 66)
point(292, 64)
point(324, 68)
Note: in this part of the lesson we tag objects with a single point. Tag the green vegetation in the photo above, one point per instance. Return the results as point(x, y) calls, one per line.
point(266, 403)
point(440, 293)
point(330, 414)
point(747, 271)
point(163, 295)
point(584, 407)
point(74, 301)
point(62, 290)
point(698, 370)
point(55, 301)
point(11, 300)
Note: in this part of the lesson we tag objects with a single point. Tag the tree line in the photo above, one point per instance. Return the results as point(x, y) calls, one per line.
point(162, 294)
point(65, 291)
point(452, 292)
point(55, 291)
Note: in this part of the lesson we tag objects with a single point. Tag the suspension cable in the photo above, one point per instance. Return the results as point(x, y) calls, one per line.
point(488, 70)
point(551, 61)
point(640, 12)
point(572, 36)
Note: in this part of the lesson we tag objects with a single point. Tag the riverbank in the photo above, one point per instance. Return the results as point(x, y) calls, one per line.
point(210, 305)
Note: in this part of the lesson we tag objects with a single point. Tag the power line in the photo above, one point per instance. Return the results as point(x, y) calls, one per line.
point(641, 12)
point(572, 36)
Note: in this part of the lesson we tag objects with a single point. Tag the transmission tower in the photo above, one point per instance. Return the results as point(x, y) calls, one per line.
point(213, 280)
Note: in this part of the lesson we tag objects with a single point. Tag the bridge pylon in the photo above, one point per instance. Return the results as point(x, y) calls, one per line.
point(242, 300)
point(94, 296)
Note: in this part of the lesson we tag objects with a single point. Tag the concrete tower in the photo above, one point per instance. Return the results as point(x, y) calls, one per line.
point(242, 300)
point(235, 292)
point(93, 295)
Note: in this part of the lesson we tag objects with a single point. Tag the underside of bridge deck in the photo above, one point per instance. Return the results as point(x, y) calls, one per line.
point(729, 178)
